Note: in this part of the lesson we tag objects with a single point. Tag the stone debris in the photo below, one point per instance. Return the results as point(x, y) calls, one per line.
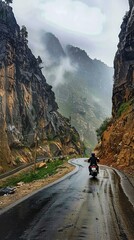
point(7, 190)
point(19, 184)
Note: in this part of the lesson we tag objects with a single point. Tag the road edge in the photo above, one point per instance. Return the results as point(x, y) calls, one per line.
point(126, 185)
point(124, 182)
point(43, 188)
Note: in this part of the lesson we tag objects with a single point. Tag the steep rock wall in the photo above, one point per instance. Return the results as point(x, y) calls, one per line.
point(28, 111)
point(117, 145)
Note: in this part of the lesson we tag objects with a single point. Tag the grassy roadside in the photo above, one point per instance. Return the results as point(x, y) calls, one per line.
point(30, 176)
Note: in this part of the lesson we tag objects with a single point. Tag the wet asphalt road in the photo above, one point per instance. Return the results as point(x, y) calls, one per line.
point(77, 208)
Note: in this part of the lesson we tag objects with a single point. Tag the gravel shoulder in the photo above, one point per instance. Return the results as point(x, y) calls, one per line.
point(28, 188)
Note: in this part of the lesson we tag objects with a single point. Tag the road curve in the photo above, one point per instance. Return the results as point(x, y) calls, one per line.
point(77, 208)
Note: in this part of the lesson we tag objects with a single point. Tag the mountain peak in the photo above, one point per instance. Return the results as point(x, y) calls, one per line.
point(53, 46)
point(77, 53)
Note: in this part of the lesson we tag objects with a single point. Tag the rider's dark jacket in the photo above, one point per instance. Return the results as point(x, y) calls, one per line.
point(93, 160)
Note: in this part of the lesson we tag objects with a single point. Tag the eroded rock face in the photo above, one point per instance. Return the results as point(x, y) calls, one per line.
point(117, 146)
point(123, 90)
point(27, 103)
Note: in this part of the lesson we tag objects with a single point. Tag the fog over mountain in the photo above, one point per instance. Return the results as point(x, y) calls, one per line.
point(92, 25)
point(83, 86)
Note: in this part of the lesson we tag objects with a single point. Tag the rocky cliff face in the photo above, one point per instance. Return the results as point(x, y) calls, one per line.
point(117, 147)
point(28, 111)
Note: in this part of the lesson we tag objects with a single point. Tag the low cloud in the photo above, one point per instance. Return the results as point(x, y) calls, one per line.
point(73, 16)
point(92, 25)
point(56, 74)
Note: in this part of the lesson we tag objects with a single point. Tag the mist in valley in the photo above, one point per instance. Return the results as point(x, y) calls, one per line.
point(82, 86)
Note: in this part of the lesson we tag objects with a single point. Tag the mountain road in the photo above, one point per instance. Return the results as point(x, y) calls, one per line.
point(77, 208)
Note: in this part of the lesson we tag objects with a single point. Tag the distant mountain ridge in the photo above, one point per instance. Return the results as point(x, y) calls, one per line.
point(85, 88)
point(92, 71)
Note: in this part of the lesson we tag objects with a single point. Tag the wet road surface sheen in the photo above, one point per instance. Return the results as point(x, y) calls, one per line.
point(77, 208)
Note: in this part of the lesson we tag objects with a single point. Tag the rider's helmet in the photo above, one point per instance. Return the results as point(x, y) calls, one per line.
point(93, 154)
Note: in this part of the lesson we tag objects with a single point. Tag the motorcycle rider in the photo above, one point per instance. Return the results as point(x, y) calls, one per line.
point(93, 160)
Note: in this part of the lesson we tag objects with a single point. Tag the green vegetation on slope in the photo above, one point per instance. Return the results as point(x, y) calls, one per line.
point(103, 127)
point(123, 107)
point(40, 173)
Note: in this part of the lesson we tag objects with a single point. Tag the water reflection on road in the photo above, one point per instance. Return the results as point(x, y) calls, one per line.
point(79, 207)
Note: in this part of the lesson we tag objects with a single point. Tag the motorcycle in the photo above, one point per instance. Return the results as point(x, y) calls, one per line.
point(94, 171)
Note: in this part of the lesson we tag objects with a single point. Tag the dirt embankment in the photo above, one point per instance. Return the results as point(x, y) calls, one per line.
point(117, 146)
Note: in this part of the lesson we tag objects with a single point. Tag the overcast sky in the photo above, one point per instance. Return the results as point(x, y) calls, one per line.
point(92, 25)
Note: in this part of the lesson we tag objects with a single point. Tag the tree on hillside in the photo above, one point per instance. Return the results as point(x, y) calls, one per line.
point(24, 34)
point(8, 1)
point(39, 60)
point(103, 128)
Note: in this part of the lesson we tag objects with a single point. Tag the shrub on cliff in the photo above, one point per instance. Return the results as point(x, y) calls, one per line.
point(123, 107)
point(102, 128)
point(9, 1)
